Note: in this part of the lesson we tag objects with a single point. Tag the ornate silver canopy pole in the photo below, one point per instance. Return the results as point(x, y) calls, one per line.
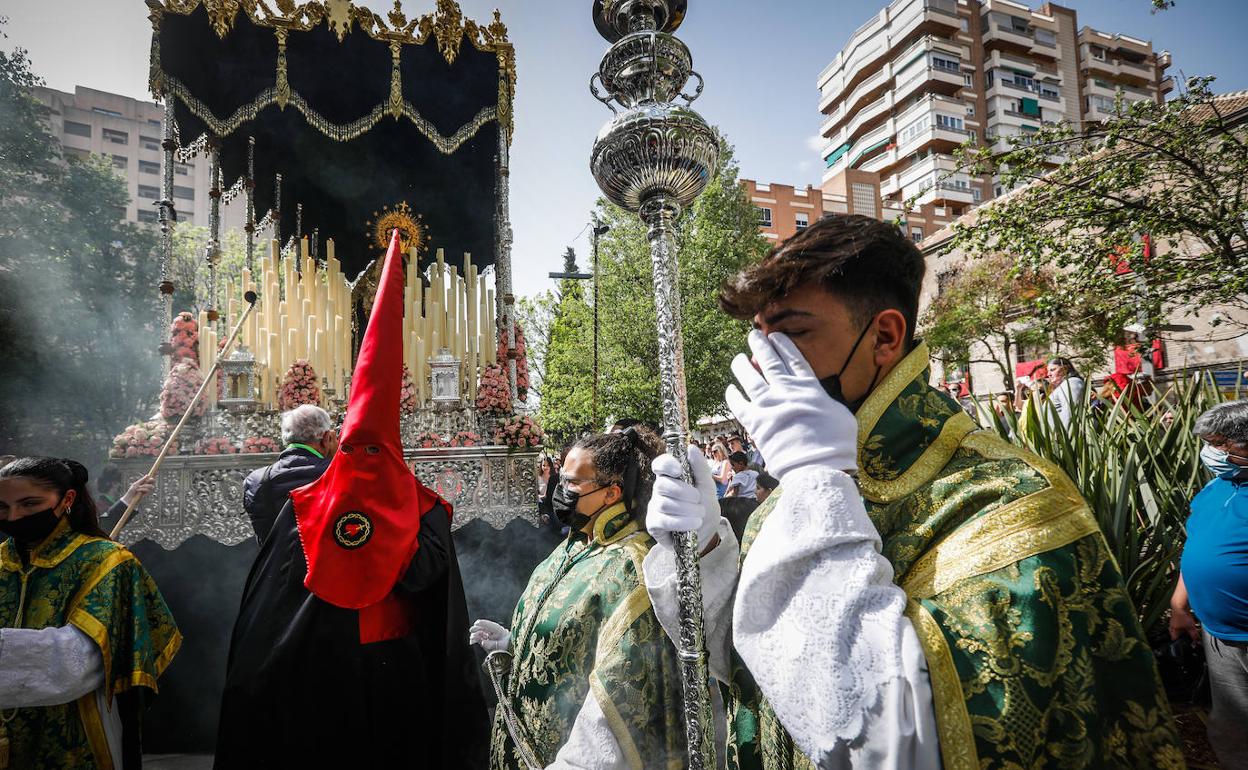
point(654, 158)
point(250, 186)
point(168, 217)
point(212, 252)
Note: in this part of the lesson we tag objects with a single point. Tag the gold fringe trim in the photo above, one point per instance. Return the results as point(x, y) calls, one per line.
point(618, 728)
point(953, 721)
point(93, 724)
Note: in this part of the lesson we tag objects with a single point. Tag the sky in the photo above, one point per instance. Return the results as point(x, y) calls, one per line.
point(760, 61)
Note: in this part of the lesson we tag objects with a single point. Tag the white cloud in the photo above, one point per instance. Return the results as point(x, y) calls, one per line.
point(815, 143)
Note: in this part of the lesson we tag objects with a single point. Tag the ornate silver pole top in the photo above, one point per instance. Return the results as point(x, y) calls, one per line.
point(654, 148)
point(654, 158)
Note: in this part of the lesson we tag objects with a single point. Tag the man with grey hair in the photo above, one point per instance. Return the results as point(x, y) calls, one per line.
point(310, 441)
point(1213, 579)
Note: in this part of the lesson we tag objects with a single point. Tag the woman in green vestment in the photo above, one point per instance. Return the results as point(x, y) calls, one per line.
point(594, 681)
point(85, 634)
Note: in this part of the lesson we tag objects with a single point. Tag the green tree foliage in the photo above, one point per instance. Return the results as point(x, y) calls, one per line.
point(190, 266)
point(1176, 172)
point(715, 238)
point(988, 308)
point(567, 382)
point(78, 302)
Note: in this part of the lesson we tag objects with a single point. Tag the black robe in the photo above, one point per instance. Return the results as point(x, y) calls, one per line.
point(301, 691)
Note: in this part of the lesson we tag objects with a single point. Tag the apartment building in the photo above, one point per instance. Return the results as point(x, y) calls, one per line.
point(128, 133)
point(925, 76)
point(784, 210)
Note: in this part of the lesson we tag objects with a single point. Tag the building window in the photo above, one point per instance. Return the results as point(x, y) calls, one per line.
point(110, 113)
point(148, 216)
point(120, 162)
point(965, 23)
point(185, 193)
point(968, 79)
point(970, 110)
point(181, 169)
point(949, 122)
point(1046, 37)
point(948, 65)
point(864, 198)
point(148, 167)
point(115, 136)
point(77, 129)
point(916, 234)
point(914, 129)
point(802, 221)
point(989, 78)
point(148, 143)
point(976, 195)
point(1098, 52)
point(148, 192)
point(153, 122)
point(764, 216)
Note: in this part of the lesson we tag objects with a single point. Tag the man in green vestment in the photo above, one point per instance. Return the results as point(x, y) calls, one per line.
point(918, 593)
point(594, 681)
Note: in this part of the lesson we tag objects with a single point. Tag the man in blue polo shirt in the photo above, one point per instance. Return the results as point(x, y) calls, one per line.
point(1213, 584)
point(310, 441)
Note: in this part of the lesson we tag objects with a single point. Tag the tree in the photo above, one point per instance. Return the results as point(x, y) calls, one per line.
point(716, 237)
point(1174, 172)
point(78, 303)
point(567, 372)
point(536, 314)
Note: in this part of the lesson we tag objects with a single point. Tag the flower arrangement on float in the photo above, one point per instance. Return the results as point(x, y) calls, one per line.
point(494, 391)
point(430, 440)
point(519, 432)
point(259, 445)
point(215, 445)
point(299, 386)
point(143, 439)
point(180, 387)
point(184, 337)
point(465, 438)
point(407, 393)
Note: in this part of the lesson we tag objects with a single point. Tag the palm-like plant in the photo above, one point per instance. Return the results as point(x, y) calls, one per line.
point(1138, 470)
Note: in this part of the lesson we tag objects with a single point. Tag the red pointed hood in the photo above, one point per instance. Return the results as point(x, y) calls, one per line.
point(358, 522)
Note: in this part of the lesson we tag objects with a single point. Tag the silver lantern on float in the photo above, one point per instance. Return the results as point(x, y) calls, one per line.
point(654, 158)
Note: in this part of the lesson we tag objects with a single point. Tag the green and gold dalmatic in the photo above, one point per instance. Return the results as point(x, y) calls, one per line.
point(584, 628)
point(98, 587)
point(1036, 657)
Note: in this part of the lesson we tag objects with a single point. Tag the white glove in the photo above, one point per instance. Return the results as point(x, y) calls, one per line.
point(793, 420)
point(491, 636)
point(675, 506)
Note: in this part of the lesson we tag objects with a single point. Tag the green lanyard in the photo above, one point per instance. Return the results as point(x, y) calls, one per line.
point(305, 446)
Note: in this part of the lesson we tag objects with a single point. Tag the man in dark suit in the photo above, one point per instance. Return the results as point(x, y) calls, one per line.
point(310, 441)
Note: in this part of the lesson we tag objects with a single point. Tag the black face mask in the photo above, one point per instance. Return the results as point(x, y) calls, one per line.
point(33, 528)
point(564, 502)
point(832, 383)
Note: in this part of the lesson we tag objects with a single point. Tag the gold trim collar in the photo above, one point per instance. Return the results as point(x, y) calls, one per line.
point(616, 520)
point(935, 457)
point(53, 550)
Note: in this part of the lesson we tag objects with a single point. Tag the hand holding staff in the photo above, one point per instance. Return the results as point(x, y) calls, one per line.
point(251, 305)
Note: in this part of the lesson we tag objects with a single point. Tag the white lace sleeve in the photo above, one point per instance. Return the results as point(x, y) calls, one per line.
point(719, 578)
point(48, 666)
point(821, 627)
point(591, 744)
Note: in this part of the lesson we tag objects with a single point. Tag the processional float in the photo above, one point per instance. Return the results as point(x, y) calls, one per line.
point(335, 125)
point(332, 125)
point(654, 158)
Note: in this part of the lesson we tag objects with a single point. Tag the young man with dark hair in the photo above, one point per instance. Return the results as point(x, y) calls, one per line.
point(919, 593)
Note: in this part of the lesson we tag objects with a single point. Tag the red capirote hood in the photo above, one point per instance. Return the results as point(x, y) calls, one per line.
point(358, 522)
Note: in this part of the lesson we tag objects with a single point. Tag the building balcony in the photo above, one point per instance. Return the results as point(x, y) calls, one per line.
point(865, 93)
point(869, 116)
point(872, 42)
point(996, 32)
point(946, 193)
point(930, 79)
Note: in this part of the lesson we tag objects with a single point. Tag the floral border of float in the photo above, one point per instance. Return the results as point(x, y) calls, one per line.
point(492, 419)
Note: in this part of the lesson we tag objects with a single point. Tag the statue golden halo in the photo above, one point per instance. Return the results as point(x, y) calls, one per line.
point(411, 229)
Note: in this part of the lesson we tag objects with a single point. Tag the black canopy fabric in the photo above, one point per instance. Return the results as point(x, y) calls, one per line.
point(358, 114)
